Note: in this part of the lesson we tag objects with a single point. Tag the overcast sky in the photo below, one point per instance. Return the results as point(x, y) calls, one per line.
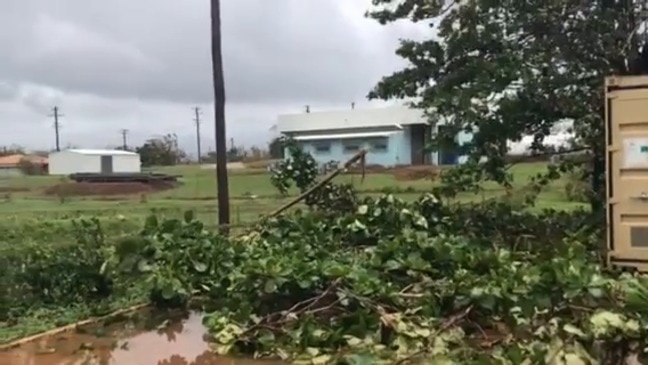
point(143, 65)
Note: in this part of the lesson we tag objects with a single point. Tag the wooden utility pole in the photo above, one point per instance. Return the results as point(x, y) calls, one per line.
point(219, 118)
point(57, 126)
point(124, 133)
point(197, 120)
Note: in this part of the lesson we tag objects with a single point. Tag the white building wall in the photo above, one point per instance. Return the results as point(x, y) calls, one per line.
point(66, 162)
point(126, 163)
point(69, 162)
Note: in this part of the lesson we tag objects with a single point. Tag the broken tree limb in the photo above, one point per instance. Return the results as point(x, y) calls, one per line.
point(360, 156)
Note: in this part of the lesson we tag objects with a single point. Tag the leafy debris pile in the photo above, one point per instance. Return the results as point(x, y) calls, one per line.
point(399, 282)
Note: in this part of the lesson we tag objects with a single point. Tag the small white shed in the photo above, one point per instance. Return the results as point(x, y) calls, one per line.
point(93, 161)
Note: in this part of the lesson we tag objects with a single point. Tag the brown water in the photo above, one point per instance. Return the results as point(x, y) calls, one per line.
point(146, 339)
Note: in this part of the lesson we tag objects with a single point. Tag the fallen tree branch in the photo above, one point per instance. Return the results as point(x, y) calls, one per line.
point(450, 322)
point(305, 306)
point(358, 157)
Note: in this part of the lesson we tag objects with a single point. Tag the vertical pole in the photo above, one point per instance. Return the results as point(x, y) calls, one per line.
point(219, 118)
point(197, 120)
point(124, 133)
point(57, 127)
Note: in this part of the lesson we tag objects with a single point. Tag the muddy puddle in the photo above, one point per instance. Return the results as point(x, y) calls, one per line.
point(146, 338)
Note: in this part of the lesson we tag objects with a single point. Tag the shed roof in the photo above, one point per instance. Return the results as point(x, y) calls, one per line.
point(102, 152)
point(14, 160)
point(349, 119)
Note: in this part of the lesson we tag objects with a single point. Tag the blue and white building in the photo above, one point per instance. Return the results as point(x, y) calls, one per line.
point(392, 135)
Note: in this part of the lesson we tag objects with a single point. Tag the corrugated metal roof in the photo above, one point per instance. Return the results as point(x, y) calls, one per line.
point(101, 152)
point(348, 119)
point(343, 136)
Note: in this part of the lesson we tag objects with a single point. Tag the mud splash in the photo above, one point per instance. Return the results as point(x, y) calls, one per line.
point(147, 338)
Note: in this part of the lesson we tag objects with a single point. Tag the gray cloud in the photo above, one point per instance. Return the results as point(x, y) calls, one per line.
point(274, 51)
point(142, 65)
point(7, 91)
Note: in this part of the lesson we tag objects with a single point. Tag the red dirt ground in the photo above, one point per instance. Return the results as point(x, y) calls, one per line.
point(408, 173)
point(403, 173)
point(106, 189)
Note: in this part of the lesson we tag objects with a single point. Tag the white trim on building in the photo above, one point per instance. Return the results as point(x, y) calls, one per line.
point(342, 136)
point(395, 116)
point(102, 152)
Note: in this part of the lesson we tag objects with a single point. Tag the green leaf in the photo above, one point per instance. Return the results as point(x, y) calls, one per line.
point(189, 216)
point(353, 341)
point(168, 292)
point(357, 359)
point(571, 329)
point(363, 209)
point(270, 286)
point(144, 266)
point(200, 266)
point(321, 360)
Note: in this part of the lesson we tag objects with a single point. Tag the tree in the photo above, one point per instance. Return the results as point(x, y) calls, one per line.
point(163, 151)
point(276, 149)
point(235, 154)
point(502, 70)
point(11, 150)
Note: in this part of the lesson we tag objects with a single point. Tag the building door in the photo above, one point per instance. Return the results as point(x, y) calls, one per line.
point(106, 164)
point(627, 171)
point(419, 135)
point(447, 154)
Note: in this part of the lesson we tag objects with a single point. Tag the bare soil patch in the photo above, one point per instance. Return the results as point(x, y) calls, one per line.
point(410, 173)
point(367, 169)
point(107, 189)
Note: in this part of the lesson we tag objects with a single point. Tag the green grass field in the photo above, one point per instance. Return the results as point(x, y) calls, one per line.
point(251, 192)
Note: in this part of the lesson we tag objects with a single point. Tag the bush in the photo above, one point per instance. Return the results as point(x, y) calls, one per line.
point(577, 189)
point(39, 274)
point(28, 167)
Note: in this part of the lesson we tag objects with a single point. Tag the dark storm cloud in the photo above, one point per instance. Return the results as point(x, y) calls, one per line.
point(275, 51)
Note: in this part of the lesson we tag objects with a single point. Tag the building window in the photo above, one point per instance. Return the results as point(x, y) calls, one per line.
point(379, 145)
point(352, 146)
point(322, 147)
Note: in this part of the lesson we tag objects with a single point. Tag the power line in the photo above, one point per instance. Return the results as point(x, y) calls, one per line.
point(197, 120)
point(124, 133)
point(57, 126)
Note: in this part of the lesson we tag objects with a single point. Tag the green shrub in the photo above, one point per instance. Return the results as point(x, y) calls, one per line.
point(577, 189)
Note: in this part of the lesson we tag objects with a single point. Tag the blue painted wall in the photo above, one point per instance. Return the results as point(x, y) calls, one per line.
point(397, 145)
point(386, 151)
point(461, 138)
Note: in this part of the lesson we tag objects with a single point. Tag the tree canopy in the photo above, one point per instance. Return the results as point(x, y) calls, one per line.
point(505, 69)
point(162, 151)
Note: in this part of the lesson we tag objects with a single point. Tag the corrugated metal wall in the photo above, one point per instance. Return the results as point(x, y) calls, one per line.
point(66, 162)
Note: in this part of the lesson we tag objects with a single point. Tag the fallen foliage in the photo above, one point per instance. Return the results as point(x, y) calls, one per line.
point(399, 282)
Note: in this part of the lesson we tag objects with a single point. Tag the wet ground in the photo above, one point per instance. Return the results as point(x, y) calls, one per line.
point(144, 339)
